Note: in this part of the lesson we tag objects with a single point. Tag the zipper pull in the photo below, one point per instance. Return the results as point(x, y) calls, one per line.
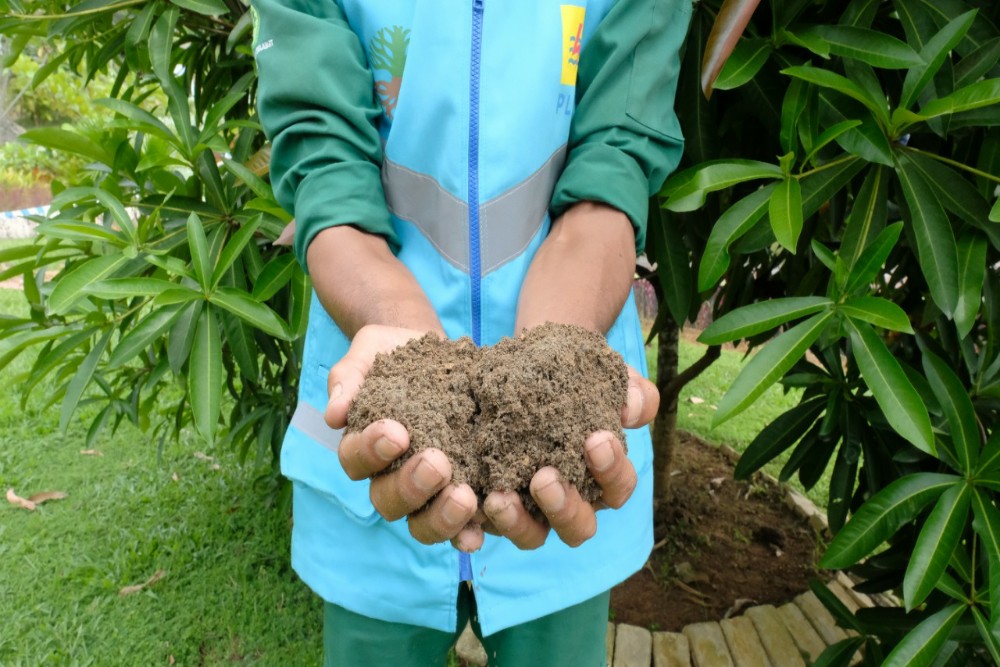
point(477, 5)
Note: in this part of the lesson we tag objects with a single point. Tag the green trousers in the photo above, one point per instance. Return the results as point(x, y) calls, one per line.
point(573, 637)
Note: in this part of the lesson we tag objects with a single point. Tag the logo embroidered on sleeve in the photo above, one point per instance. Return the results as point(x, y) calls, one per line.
point(572, 24)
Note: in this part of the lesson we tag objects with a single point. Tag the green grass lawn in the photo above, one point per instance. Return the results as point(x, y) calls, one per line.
point(739, 431)
point(228, 595)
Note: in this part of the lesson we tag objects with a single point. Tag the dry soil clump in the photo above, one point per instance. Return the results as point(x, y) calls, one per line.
point(501, 413)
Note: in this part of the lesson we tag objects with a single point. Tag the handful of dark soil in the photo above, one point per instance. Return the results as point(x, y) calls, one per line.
point(501, 413)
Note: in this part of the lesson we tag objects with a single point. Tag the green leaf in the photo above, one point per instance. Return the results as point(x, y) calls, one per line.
point(829, 135)
point(921, 645)
point(108, 200)
point(81, 230)
point(70, 287)
point(206, 7)
point(990, 635)
point(177, 294)
point(936, 248)
point(874, 257)
point(793, 106)
point(785, 209)
point(987, 526)
point(833, 81)
point(868, 140)
point(972, 247)
point(874, 48)
point(933, 55)
point(205, 380)
point(990, 460)
point(778, 436)
point(126, 288)
point(820, 188)
point(68, 141)
point(824, 255)
point(760, 317)
point(141, 118)
point(143, 334)
point(974, 96)
point(299, 303)
point(84, 373)
point(686, 191)
point(243, 347)
point(665, 246)
point(234, 247)
point(161, 45)
point(840, 654)
point(274, 276)
point(259, 315)
point(769, 364)
point(198, 244)
point(181, 336)
point(744, 63)
point(867, 218)
point(958, 409)
point(258, 185)
point(995, 212)
point(875, 310)
point(737, 220)
point(978, 63)
point(937, 540)
point(900, 402)
point(841, 613)
point(883, 514)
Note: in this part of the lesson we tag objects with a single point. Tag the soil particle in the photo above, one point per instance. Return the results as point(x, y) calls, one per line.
point(501, 413)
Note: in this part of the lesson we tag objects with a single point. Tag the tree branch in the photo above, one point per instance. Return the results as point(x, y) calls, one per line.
point(673, 388)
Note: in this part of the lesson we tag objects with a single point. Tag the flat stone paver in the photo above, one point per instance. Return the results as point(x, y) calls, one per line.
point(609, 641)
point(633, 646)
point(775, 638)
point(862, 599)
point(469, 648)
point(708, 645)
point(803, 633)
point(826, 626)
point(671, 649)
point(744, 644)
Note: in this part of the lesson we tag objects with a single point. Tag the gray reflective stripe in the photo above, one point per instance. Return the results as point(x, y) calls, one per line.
point(310, 422)
point(440, 215)
point(508, 222)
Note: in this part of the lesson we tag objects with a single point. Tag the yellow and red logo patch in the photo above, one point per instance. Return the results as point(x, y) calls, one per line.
point(572, 23)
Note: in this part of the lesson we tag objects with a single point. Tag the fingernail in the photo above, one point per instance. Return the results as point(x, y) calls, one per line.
point(601, 455)
point(504, 517)
point(337, 390)
point(386, 449)
point(453, 511)
point(426, 477)
point(634, 405)
point(551, 497)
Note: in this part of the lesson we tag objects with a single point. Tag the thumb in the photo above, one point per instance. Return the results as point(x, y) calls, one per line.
point(343, 385)
point(643, 401)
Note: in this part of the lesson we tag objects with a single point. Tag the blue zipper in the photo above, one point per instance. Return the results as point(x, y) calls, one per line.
point(475, 259)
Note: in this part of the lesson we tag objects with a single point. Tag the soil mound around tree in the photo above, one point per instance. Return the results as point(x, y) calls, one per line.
point(730, 545)
point(501, 413)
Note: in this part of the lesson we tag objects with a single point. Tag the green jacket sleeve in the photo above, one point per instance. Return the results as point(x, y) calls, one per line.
point(315, 100)
point(625, 139)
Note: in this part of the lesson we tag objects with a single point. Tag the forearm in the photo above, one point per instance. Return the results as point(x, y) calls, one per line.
point(359, 282)
point(582, 272)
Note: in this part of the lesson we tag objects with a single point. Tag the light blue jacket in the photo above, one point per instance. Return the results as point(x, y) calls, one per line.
point(484, 113)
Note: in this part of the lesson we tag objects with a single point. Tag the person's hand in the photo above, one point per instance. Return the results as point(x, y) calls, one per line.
point(406, 491)
point(573, 519)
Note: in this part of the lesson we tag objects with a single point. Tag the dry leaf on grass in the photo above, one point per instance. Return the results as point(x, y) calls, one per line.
point(696, 400)
point(175, 477)
point(91, 452)
point(128, 590)
point(32, 502)
point(18, 501)
point(203, 456)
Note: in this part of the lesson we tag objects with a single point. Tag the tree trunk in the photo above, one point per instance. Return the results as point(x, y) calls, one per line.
point(665, 426)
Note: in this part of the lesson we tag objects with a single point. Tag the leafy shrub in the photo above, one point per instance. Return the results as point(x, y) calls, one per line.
point(871, 244)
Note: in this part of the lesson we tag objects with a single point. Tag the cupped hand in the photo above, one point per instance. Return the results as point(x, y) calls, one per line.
point(573, 519)
point(421, 488)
